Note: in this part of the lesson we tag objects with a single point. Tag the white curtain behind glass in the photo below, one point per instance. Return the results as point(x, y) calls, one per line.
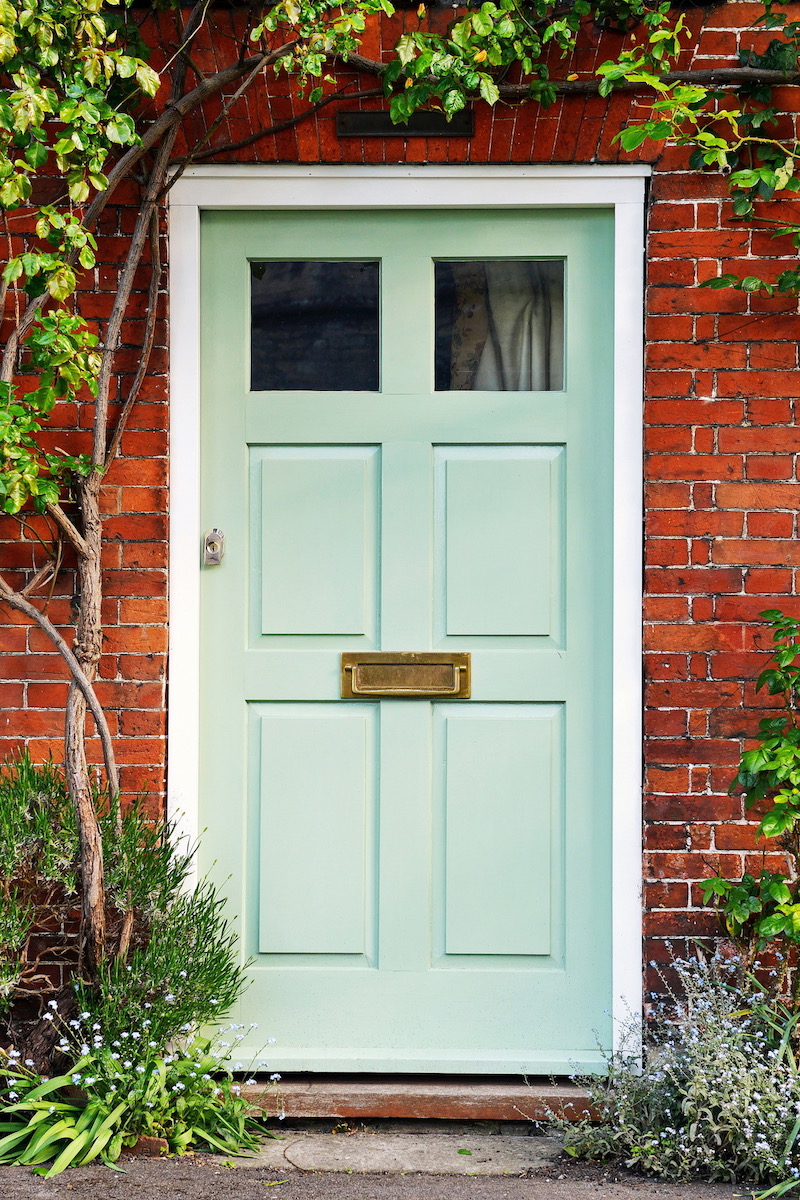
point(508, 326)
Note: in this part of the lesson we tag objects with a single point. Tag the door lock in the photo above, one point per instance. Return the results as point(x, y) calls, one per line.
point(213, 547)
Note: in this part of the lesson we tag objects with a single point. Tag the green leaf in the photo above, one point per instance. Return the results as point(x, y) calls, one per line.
point(36, 154)
point(633, 136)
point(777, 821)
point(489, 90)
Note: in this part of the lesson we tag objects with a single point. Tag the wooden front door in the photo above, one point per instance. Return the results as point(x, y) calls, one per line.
point(407, 442)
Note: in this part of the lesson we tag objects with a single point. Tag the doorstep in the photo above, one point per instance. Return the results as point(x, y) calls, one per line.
point(449, 1098)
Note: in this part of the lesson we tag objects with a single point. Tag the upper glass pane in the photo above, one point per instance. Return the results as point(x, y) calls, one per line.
point(314, 326)
point(500, 325)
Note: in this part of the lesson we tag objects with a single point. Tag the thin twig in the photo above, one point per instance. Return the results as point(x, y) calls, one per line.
point(147, 347)
point(279, 127)
point(18, 602)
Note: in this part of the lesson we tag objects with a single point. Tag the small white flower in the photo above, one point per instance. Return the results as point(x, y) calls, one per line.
point(47, 1016)
point(52, 1004)
point(182, 974)
point(85, 1016)
point(29, 1062)
point(76, 1078)
point(127, 1063)
point(169, 998)
point(96, 1026)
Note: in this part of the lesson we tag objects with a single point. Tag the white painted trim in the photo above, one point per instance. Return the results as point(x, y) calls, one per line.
point(621, 187)
point(183, 708)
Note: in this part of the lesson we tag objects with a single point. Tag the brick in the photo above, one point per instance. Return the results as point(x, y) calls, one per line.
point(769, 466)
point(743, 440)
point(660, 580)
point(758, 383)
point(770, 525)
point(695, 466)
point(765, 581)
point(758, 495)
point(760, 552)
point(692, 637)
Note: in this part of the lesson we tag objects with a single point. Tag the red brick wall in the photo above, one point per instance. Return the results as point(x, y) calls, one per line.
point(720, 465)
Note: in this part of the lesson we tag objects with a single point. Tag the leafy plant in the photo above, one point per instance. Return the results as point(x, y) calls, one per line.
point(177, 959)
point(756, 911)
point(716, 1094)
point(129, 1087)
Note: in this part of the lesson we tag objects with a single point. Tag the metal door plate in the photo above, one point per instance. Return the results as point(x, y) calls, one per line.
point(406, 676)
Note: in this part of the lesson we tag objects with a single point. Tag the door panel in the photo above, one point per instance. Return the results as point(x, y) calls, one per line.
point(423, 885)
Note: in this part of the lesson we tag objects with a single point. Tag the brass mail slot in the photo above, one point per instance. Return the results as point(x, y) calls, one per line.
point(406, 676)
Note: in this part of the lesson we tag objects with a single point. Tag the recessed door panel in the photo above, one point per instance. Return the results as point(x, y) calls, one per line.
point(317, 787)
point(317, 550)
point(500, 547)
point(499, 798)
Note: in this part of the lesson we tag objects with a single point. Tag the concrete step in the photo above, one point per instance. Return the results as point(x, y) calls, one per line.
point(468, 1153)
point(418, 1098)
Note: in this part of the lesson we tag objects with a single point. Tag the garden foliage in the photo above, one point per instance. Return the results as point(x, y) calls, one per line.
point(180, 961)
point(717, 1093)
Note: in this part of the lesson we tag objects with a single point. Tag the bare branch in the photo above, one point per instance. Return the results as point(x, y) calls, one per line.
point(76, 540)
point(18, 602)
point(172, 114)
point(226, 108)
point(41, 576)
point(149, 337)
point(279, 126)
point(721, 76)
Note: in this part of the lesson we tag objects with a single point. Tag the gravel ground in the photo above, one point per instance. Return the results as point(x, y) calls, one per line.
point(202, 1178)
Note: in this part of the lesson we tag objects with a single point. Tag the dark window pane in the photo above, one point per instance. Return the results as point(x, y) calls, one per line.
point(314, 326)
point(500, 326)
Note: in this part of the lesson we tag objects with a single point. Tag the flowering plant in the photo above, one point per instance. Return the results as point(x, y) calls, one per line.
point(119, 1090)
point(716, 1092)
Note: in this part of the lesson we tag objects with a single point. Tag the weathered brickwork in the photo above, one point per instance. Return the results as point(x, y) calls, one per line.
point(721, 464)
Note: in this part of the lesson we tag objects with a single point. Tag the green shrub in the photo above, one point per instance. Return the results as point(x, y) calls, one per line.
point(715, 1094)
point(180, 962)
point(129, 1037)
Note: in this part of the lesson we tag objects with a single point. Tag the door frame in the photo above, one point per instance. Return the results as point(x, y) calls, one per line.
point(264, 187)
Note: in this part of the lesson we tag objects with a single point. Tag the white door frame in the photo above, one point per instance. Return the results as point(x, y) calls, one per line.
point(619, 187)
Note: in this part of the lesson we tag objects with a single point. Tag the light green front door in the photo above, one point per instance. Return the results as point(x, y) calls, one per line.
point(422, 885)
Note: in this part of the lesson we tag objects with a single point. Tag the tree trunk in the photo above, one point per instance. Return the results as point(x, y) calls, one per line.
point(88, 644)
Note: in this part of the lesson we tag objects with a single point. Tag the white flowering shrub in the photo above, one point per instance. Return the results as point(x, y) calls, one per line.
point(715, 1094)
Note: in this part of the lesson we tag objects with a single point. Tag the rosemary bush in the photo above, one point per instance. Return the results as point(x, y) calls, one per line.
point(716, 1093)
point(172, 954)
